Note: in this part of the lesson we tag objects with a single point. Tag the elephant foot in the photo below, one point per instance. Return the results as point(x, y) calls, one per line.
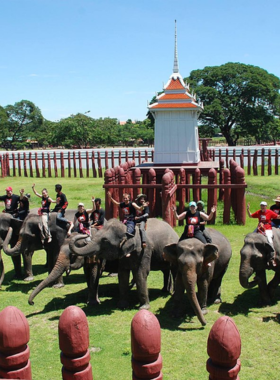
point(58, 286)
point(94, 302)
point(146, 306)
point(204, 311)
point(29, 278)
point(123, 305)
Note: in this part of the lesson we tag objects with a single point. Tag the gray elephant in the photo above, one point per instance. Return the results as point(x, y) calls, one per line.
point(7, 221)
point(254, 260)
point(112, 243)
point(29, 240)
point(199, 264)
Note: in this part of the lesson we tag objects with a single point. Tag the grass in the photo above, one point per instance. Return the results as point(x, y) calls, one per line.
point(184, 341)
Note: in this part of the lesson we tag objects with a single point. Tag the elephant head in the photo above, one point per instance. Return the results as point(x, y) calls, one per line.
point(110, 243)
point(192, 259)
point(254, 254)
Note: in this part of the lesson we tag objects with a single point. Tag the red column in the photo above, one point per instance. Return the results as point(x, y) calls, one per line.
point(276, 162)
point(49, 166)
point(73, 335)
point(255, 162)
point(108, 178)
point(249, 162)
point(43, 166)
point(69, 164)
point(152, 192)
point(240, 215)
point(14, 351)
point(262, 169)
point(196, 181)
point(37, 165)
point(168, 197)
point(24, 165)
point(182, 195)
point(99, 164)
point(19, 165)
point(30, 164)
point(93, 165)
point(106, 160)
point(74, 164)
point(112, 158)
point(80, 165)
point(227, 197)
point(146, 359)
point(136, 181)
point(269, 162)
point(224, 348)
point(62, 164)
point(14, 165)
point(221, 191)
point(55, 164)
point(212, 193)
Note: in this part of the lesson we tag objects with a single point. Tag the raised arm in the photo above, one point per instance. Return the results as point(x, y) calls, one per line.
point(210, 216)
point(178, 217)
point(35, 192)
point(21, 194)
point(248, 210)
point(112, 199)
point(89, 211)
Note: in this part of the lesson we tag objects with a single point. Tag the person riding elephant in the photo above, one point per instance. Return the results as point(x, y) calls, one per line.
point(112, 243)
point(193, 219)
point(253, 261)
point(10, 200)
point(142, 214)
point(192, 258)
point(81, 222)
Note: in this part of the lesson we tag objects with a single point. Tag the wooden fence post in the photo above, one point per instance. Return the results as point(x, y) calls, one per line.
point(14, 351)
point(106, 160)
point(14, 165)
point(30, 164)
point(276, 162)
point(19, 165)
point(152, 192)
point(74, 164)
point(43, 166)
point(108, 203)
point(233, 166)
point(55, 165)
point(212, 194)
point(99, 164)
point(262, 168)
point(94, 173)
point(168, 197)
point(182, 194)
point(69, 164)
point(269, 162)
point(221, 180)
point(249, 162)
point(197, 181)
point(49, 166)
point(136, 181)
point(62, 164)
point(24, 165)
point(224, 348)
point(73, 335)
point(146, 359)
point(227, 197)
point(80, 165)
point(240, 214)
point(37, 165)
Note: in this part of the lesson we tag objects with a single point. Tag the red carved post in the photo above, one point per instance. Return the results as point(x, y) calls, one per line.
point(152, 192)
point(136, 181)
point(112, 158)
point(146, 155)
point(234, 155)
point(106, 160)
point(126, 156)
point(74, 164)
point(262, 168)
point(94, 173)
point(19, 165)
point(240, 215)
point(220, 155)
point(87, 164)
point(24, 165)
point(43, 166)
point(14, 165)
point(120, 157)
point(73, 335)
point(116, 192)
point(168, 197)
point(224, 348)
point(152, 158)
point(227, 197)
point(99, 164)
point(221, 191)
point(196, 181)
point(108, 178)
point(139, 157)
point(269, 162)
point(37, 165)
point(14, 351)
point(212, 193)
point(80, 165)
point(188, 181)
point(255, 162)
point(242, 158)
point(146, 359)
point(233, 166)
point(30, 164)
point(7, 164)
point(227, 158)
point(182, 194)
point(276, 161)
point(62, 164)
point(2, 168)
point(133, 154)
point(49, 166)
point(55, 164)
point(69, 164)
point(249, 162)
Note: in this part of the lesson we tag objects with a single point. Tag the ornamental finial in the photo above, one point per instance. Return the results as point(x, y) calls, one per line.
point(176, 66)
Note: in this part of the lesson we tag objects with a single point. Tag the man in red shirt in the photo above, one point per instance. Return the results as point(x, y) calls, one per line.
point(265, 216)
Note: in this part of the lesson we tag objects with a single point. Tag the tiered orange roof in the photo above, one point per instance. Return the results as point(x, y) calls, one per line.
point(175, 84)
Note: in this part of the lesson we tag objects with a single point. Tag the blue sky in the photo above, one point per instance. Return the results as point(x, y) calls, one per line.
point(110, 57)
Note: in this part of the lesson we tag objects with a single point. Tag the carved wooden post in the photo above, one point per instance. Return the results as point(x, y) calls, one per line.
point(276, 161)
point(80, 165)
point(94, 173)
point(14, 165)
point(112, 158)
point(168, 192)
point(240, 215)
point(249, 162)
point(120, 157)
point(106, 160)
point(146, 359)
point(7, 164)
point(73, 335)
point(146, 155)
point(43, 166)
point(262, 167)
point(188, 181)
point(55, 164)
point(37, 165)
point(212, 193)
point(221, 181)
point(224, 348)
point(227, 197)
point(74, 164)
point(255, 162)
point(227, 158)
point(139, 157)
point(49, 166)
point(126, 156)
point(108, 178)
point(69, 164)
point(233, 166)
point(19, 165)
point(242, 158)
point(152, 192)
point(234, 155)
point(269, 162)
point(87, 164)
point(99, 164)
point(136, 181)
point(196, 181)
point(182, 194)
point(24, 165)
point(14, 351)
point(30, 165)
point(62, 164)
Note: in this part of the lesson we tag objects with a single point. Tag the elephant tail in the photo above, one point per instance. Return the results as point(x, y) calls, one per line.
point(56, 272)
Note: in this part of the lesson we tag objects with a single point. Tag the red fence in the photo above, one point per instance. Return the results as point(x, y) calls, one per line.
point(164, 189)
point(223, 347)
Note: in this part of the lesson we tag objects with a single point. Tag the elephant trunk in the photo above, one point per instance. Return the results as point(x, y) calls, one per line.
point(87, 250)
point(15, 251)
point(61, 265)
point(2, 270)
point(245, 272)
point(190, 282)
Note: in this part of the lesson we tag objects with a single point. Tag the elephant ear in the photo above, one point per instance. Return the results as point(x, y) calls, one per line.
point(210, 253)
point(170, 253)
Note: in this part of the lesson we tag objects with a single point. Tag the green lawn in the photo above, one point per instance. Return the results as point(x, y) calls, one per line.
point(184, 341)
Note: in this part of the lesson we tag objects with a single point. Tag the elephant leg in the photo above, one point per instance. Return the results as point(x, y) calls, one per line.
point(178, 295)
point(17, 266)
point(167, 281)
point(263, 288)
point(92, 273)
point(27, 263)
point(202, 286)
point(272, 286)
point(140, 277)
point(123, 276)
point(214, 291)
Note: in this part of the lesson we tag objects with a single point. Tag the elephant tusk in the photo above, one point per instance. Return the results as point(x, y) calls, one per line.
point(123, 241)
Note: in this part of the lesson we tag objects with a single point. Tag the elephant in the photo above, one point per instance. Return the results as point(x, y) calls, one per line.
point(29, 240)
point(254, 257)
point(199, 264)
point(112, 242)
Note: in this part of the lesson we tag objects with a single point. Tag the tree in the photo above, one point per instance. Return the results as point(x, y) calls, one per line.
point(24, 120)
point(239, 99)
point(4, 130)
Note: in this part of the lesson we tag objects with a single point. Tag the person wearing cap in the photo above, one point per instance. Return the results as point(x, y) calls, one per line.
point(276, 208)
point(11, 201)
point(81, 219)
point(97, 217)
point(200, 208)
point(142, 214)
point(61, 203)
point(23, 209)
point(44, 211)
point(193, 219)
point(265, 217)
